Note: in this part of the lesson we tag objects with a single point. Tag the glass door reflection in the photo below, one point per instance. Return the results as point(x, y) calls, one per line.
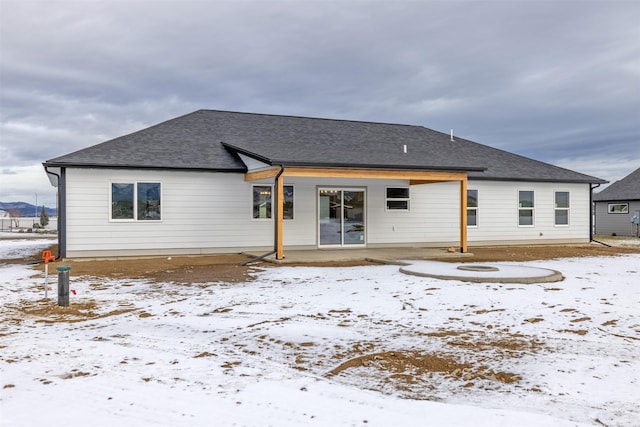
point(341, 217)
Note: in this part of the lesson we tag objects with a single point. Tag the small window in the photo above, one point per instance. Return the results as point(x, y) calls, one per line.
point(562, 208)
point(526, 205)
point(618, 208)
point(144, 196)
point(397, 198)
point(261, 201)
point(472, 208)
point(287, 211)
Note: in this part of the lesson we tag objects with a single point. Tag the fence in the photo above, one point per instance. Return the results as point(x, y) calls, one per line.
point(26, 223)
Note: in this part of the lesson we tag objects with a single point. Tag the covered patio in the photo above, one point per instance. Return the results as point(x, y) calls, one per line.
point(414, 177)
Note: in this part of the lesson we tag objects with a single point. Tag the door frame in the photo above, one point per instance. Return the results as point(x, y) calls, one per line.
point(341, 189)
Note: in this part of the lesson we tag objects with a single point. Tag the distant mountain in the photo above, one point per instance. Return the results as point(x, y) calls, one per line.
point(26, 209)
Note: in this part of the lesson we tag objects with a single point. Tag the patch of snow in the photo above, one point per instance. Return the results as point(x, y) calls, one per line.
point(258, 353)
point(17, 249)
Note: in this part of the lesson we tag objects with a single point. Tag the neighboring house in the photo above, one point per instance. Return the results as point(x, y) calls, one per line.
point(617, 205)
point(217, 181)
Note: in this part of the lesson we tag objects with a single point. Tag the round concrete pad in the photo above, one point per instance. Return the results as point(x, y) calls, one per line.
point(504, 274)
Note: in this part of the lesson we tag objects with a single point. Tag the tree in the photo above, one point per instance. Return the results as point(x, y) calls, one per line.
point(44, 218)
point(15, 214)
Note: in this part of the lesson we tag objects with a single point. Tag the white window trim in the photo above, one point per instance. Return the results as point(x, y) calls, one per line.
point(272, 211)
point(251, 202)
point(294, 202)
point(568, 209)
point(397, 199)
point(135, 201)
point(532, 209)
point(476, 208)
point(609, 205)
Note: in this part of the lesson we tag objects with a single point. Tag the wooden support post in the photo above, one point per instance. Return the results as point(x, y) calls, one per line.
point(279, 217)
point(463, 215)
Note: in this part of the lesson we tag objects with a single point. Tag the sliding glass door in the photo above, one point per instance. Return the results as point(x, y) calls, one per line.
point(341, 216)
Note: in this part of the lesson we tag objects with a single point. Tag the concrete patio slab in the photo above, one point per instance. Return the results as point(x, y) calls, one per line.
point(482, 273)
point(380, 255)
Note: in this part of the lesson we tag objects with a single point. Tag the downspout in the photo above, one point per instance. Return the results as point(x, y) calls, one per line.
point(591, 215)
point(62, 214)
point(61, 211)
point(275, 222)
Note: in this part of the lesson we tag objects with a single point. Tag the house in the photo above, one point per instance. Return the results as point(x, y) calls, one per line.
point(227, 182)
point(617, 207)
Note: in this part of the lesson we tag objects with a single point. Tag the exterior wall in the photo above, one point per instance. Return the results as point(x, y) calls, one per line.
point(620, 224)
point(433, 218)
point(201, 213)
point(212, 213)
point(428, 221)
point(498, 213)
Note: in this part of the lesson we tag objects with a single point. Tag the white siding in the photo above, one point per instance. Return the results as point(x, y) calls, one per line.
point(433, 216)
point(498, 213)
point(428, 220)
point(201, 212)
point(212, 212)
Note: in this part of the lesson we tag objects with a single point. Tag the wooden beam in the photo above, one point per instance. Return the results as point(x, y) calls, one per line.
point(463, 216)
point(279, 217)
point(419, 175)
point(422, 181)
point(261, 174)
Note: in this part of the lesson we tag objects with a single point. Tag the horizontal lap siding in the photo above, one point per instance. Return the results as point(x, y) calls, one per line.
point(202, 212)
point(199, 210)
point(303, 230)
point(619, 224)
point(433, 215)
point(429, 218)
point(498, 212)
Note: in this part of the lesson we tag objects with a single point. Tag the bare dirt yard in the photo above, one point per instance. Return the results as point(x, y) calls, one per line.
point(227, 268)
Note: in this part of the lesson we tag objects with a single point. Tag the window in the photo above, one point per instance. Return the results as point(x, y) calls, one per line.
point(262, 201)
point(398, 198)
point(138, 201)
point(287, 212)
point(618, 208)
point(122, 201)
point(472, 208)
point(562, 208)
point(525, 208)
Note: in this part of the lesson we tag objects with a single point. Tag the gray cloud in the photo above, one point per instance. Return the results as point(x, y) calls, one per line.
point(557, 81)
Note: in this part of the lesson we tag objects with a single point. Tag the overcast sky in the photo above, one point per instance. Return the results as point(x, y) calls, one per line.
point(556, 81)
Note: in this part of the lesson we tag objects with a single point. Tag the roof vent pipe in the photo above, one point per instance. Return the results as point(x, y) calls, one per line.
point(404, 148)
point(452, 134)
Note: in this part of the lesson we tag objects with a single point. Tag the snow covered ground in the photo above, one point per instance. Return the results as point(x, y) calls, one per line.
point(322, 347)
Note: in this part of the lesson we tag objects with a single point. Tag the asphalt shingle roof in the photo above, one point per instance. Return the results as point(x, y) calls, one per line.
point(628, 188)
point(208, 140)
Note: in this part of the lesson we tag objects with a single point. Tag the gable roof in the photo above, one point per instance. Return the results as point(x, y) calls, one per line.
point(628, 188)
point(210, 140)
